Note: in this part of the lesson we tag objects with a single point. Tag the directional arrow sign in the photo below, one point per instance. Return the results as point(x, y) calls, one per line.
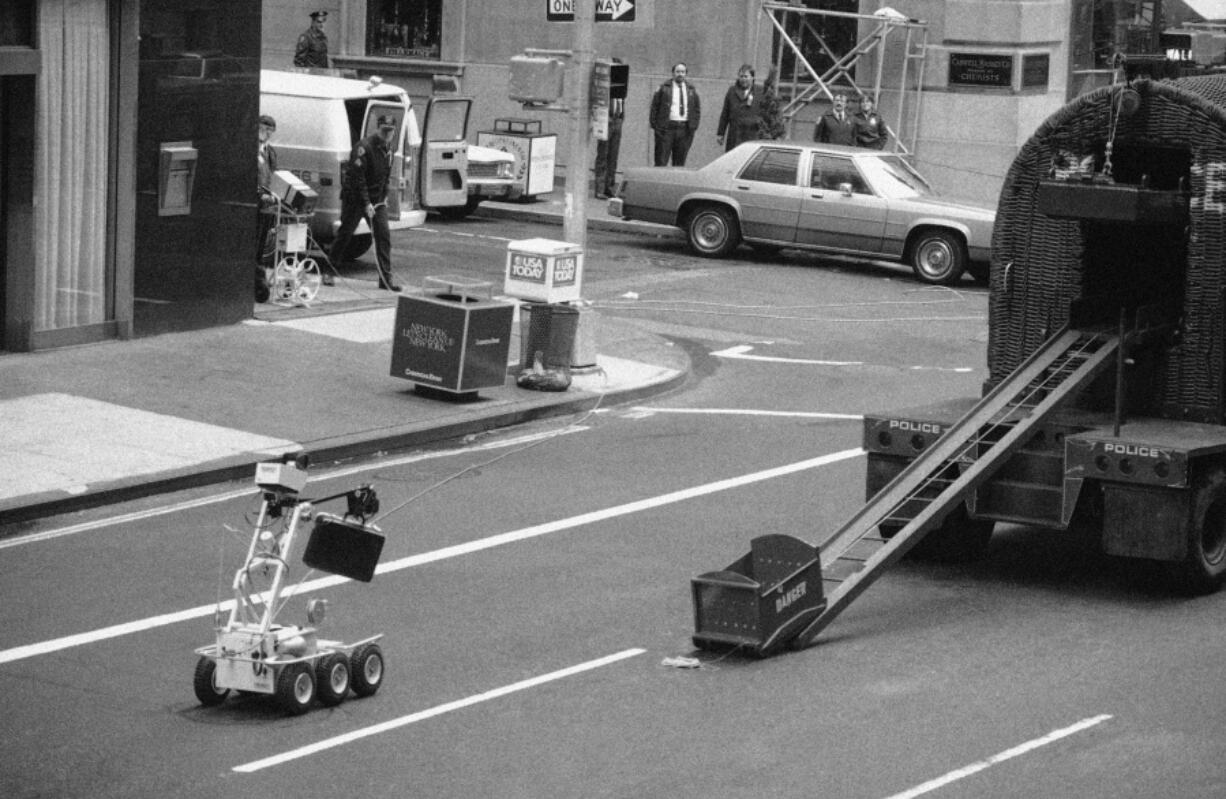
point(606, 10)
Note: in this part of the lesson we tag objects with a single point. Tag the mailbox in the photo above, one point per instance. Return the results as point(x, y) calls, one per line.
point(176, 174)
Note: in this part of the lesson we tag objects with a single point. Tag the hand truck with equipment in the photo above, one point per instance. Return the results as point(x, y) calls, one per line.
point(291, 256)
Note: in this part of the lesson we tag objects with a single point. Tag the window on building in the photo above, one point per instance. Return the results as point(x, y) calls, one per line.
point(404, 28)
point(72, 113)
point(820, 38)
point(17, 27)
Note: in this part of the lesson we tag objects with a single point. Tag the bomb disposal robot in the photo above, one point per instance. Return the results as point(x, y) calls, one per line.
point(252, 652)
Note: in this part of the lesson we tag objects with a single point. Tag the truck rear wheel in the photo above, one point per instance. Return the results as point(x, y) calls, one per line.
point(358, 245)
point(959, 538)
point(1203, 569)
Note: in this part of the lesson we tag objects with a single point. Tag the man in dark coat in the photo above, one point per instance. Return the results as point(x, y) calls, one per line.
point(312, 50)
point(364, 196)
point(675, 113)
point(266, 217)
point(741, 118)
point(836, 125)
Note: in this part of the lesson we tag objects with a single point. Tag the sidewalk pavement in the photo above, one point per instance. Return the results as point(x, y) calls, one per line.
point(108, 422)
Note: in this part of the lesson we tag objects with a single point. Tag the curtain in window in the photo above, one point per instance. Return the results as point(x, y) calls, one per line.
point(71, 151)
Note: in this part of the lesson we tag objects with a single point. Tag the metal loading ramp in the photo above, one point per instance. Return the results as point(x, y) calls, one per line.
point(926, 490)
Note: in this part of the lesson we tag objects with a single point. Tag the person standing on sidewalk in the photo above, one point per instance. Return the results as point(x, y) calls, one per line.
point(870, 127)
point(836, 126)
point(364, 196)
point(312, 50)
point(606, 151)
point(266, 216)
point(742, 115)
point(675, 114)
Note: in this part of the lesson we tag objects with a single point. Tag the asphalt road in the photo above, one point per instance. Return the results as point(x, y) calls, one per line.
point(535, 587)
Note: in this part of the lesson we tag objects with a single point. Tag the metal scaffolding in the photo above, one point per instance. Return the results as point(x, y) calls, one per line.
point(797, 28)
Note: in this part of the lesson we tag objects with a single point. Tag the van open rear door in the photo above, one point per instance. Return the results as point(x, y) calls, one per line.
point(444, 153)
point(406, 135)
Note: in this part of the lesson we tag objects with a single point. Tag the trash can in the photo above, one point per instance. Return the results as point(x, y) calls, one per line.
point(583, 354)
point(763, 600)
point(550, 330)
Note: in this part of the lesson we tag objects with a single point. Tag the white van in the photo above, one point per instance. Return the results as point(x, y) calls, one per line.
point(319, 119)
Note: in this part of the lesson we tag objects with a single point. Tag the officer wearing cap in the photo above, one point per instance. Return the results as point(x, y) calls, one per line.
point(364, 196)
point(313, 43)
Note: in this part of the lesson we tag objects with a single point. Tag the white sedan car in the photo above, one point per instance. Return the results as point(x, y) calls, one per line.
point(777, 194)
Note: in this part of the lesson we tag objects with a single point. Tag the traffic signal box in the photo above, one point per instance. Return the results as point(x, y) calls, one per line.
point(537, 80)
point(619, 80)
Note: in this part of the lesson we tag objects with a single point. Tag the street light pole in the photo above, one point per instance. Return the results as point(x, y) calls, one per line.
point(574, 214)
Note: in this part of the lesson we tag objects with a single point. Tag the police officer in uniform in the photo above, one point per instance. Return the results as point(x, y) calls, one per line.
point(364, 196)
point(870, 127)
point(312, 48)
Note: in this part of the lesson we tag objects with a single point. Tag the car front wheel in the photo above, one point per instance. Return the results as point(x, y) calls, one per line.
point(713, 232)
point(938, 257)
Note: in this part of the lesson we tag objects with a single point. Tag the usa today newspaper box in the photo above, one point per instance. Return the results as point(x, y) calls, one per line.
point(453, 337)
point(544, 270)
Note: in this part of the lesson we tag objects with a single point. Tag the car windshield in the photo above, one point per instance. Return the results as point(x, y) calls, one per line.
point(894, 178)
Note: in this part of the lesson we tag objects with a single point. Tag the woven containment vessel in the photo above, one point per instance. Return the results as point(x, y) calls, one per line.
point(1119, 200)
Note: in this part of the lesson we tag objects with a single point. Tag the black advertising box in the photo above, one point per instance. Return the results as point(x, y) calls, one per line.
point(452, 338)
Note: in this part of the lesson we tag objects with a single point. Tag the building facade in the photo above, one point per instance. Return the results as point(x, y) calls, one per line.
point(973, 82)
point(128, 127)
point(127, 176)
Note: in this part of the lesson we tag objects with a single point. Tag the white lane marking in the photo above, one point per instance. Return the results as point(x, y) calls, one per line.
point(80, 639)
point(318, 474)
point(464, 235)
point(644, 411)
point(438, 710)
point(741, 352)
point(1008, 754)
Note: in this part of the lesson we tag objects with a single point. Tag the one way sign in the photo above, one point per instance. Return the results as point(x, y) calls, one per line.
point(606, 10)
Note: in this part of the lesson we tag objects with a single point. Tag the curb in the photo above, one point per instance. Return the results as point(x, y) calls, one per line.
point(326, 451)
point(600, 221)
